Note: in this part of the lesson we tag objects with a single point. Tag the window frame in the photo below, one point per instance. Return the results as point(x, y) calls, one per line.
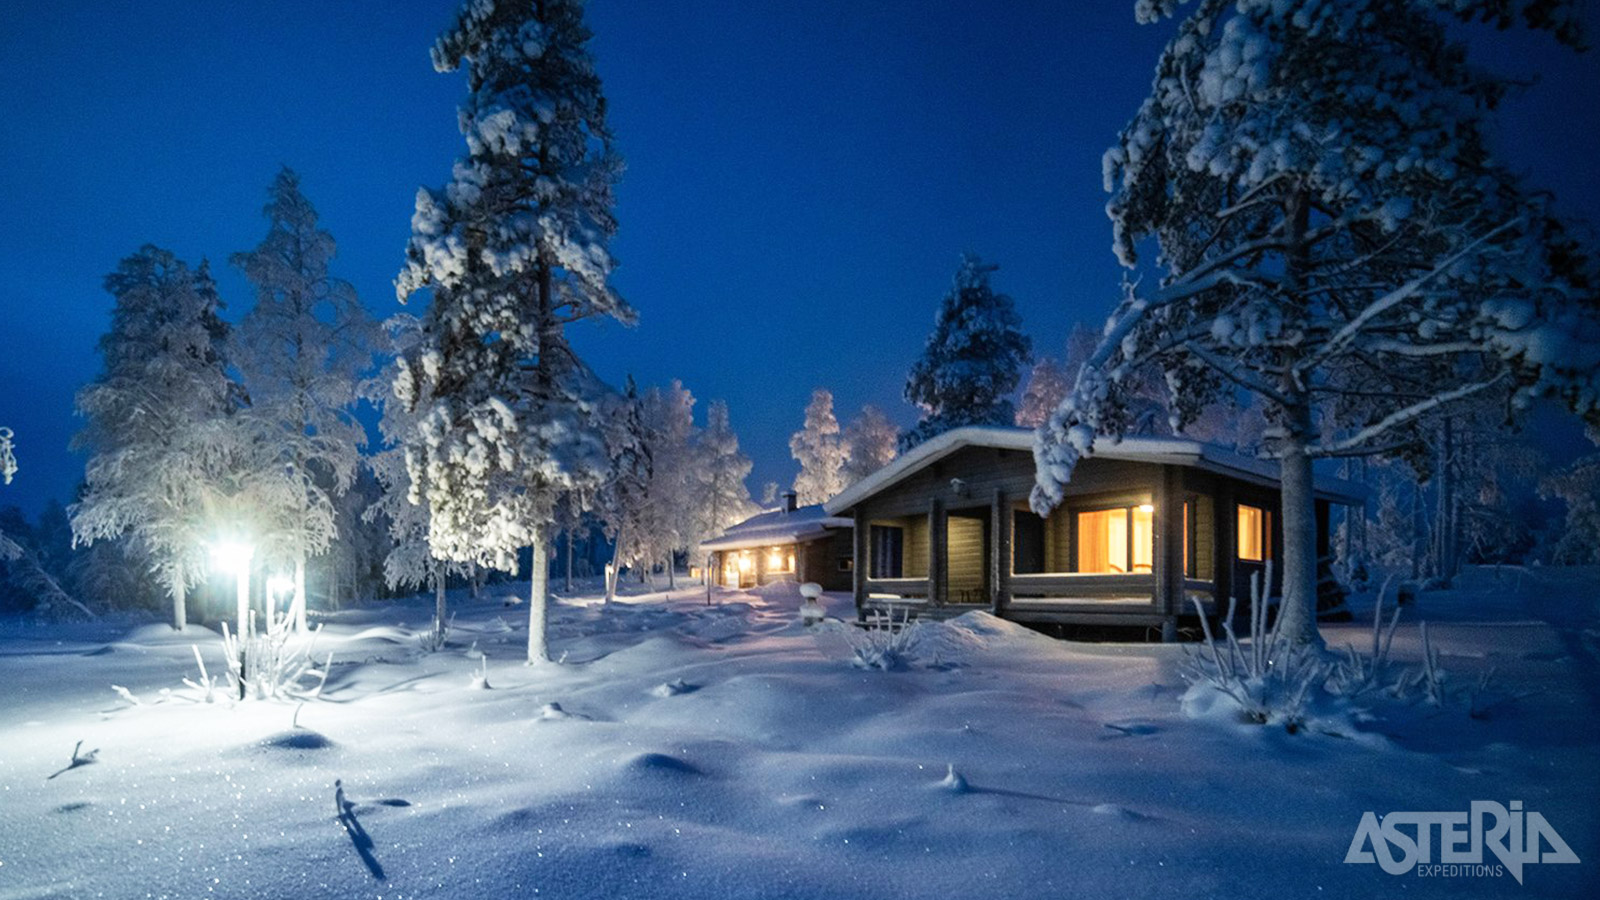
point(1129, 504)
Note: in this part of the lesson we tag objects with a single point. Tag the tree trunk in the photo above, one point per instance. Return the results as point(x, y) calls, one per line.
point(438, 601)
point(1298, 505)
point(1446, 517)
point(672, 572)
point(614, 571)
point(569, 561)
point(180, 608)
point(1298, 609)
point(538, 600)
point(300, 593)
point(242, 579)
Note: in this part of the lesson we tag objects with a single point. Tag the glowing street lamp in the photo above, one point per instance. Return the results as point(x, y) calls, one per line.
point(234, 557)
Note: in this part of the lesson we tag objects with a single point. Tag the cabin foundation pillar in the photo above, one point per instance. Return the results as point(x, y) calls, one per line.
point(858, 566)
point(1169, 562)
point(999, 554)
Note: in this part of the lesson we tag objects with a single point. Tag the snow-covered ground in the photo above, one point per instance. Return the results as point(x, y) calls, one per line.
point(685, 750)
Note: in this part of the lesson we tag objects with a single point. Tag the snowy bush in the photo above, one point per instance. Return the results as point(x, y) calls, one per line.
point(887, 642)
point(1270, 680)
point(434, 639)
point(275, 664)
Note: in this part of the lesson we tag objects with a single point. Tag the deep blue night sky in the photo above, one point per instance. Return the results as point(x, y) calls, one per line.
point(802, 176)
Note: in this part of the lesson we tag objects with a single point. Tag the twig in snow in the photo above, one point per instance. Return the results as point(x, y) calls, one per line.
point(78, 760)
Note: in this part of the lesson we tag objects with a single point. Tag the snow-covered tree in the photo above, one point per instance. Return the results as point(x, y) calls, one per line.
point(8, 456)
point(668, 517)
point(1577, 485)
point(622, 501)
point(162, 432)
point(1335, 238)
point(410, 562)
point(513, 249)
point(1046, 387)
point(301, 351)
point(972, 361)
point(871, 442)
point(9, 549)
point(820, 450)
point(720, 497)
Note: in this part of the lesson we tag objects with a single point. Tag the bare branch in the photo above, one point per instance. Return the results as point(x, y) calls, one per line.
point(1400, 417)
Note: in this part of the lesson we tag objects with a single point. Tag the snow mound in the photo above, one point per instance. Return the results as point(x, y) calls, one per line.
point(954, 781)
point(673, 688)
point(300, 739)
point(661, 763)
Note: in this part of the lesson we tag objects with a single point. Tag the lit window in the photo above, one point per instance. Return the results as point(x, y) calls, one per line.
point(1255, 534)
point(1117, 541)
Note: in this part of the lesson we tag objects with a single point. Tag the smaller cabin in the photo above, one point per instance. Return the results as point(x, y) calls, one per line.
point(1148, 527)
point(791, 543)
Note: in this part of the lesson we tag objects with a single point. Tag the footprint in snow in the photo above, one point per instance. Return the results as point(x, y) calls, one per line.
point(1130, 729)
point(1116, 812)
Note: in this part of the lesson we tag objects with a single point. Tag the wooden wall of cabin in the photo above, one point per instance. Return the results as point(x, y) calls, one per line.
point(828, 561)
point(967, 572)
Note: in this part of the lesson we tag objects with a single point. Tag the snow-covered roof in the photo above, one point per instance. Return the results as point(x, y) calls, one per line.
point(1175, 451)
point(776, 527)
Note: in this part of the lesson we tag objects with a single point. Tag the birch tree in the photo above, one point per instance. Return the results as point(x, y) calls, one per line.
point(1332, 236)
point(513, 250)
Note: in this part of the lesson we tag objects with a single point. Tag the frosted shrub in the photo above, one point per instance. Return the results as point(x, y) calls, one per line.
point(1272, 680)
point(434, 639)
point(888, 642)
point(275, 664)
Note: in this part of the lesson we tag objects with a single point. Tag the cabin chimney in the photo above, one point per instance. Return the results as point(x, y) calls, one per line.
point(790, 501)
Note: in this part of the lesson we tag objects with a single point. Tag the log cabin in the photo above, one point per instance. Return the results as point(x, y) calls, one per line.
point(1148, 526)
point(790, 543)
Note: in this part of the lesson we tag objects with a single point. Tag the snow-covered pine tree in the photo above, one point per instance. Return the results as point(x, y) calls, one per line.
point(9, 549)
point(162, 433)
point(871, 442)
point(972, 361)
point(1046, 387)
point(720, 497)
point(8, 456)
point(301, 352)
point(820, 450)
point(512, 250)
point(410, 562)
point(621, 502)
point(1334, 237)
